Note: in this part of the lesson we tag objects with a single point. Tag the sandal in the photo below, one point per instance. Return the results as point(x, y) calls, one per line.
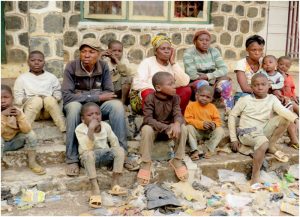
point(195, 155)
point(117, 190)
point(144, 175)
point(95, 201)
point(295, 145)
point(180, 172)
point(280, 156)
point(38, 170)
point(72, 169)
point(131, 165)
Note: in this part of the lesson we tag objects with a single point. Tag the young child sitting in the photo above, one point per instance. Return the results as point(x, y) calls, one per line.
point(98, 147)
point(203, 120)
point(16, 131)
point(288, 97)
point(162, 115)
point(275, 78)
point(119, 68)
point(258, 126)
point(39, 93)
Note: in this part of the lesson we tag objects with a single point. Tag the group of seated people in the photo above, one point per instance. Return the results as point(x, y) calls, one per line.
point(176, 104)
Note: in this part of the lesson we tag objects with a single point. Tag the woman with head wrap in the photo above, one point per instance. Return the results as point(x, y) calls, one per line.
point(203, 62)
point(247, 67)
point(163, 60)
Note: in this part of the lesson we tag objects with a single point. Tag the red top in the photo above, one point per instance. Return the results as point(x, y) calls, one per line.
point(289, 86)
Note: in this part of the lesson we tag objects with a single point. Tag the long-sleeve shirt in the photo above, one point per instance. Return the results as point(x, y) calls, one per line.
point(276, 80)
point(149, 66)
point(79, 86)
point(104, 139)
point(195, 114)
point(196, 62)
point(10, 128)
point(123, 68)
point(28, 85)
point(160, 113)
point(256, 113)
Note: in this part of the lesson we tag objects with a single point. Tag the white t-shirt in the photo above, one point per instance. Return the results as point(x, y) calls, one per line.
point(242, 65)
point(29, 85)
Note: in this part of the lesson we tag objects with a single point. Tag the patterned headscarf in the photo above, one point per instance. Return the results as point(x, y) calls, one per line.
point(159, 40)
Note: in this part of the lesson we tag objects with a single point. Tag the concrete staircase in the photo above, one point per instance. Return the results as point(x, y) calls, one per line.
point(51, 154)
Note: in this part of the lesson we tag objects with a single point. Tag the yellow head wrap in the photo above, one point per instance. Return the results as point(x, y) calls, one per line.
point(159, 40)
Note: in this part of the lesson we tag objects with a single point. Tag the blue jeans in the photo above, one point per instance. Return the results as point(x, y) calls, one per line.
point(19, 141)
point(111, 110)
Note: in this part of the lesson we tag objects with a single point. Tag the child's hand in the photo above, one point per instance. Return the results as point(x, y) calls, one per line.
point(106, 53)
point(6, 112)
point(94, 125)
point(235, 146)
point(14, 112)
point(212, 125)
point(206, 125)
point(174, 131)
point(295, 99)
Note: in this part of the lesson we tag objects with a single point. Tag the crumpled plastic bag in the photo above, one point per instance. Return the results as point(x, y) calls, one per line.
point(237, 201)
point(231, 176)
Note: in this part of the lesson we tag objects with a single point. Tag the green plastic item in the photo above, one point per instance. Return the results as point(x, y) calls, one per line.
point(289, 177)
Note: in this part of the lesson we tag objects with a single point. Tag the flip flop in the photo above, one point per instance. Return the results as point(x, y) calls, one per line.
point(95, 201)
point(131, 165)
point(280, 156)
point(195, 155)
point(38, 170)
point(117, 190)
point(180, 171)
point(144, 175)
point(294, 145)
point(72, 169)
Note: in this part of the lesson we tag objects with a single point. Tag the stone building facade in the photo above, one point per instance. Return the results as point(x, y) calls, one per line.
point(55, 28)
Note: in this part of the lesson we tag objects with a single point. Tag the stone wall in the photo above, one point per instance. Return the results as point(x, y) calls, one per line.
point(55, 28)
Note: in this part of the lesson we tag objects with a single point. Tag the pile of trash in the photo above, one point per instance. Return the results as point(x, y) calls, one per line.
point(230, 195)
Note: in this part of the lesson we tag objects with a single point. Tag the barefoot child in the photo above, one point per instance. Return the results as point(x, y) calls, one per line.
point(16, 131)
point(288, 97)
point(119, 68)
point(203, 119)
point(99, 146)
point(39, 92)
point(162, 115)
point(258, 126)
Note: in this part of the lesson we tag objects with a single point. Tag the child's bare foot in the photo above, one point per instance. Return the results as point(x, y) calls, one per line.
point(144, 173)
point(195, 155)
point(95, 187)
point(72, 169)
point(33, 165)
point(180, 169)
point(254, 178)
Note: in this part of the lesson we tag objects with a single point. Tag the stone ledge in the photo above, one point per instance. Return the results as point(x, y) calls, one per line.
point(56, 180)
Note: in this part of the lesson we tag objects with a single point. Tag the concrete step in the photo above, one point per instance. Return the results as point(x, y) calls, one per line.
point(55, 180)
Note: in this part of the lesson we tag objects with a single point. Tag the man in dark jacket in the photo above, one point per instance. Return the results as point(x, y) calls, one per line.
point(88, 79)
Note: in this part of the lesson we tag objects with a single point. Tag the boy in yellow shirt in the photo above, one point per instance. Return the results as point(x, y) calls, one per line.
point(203, 120)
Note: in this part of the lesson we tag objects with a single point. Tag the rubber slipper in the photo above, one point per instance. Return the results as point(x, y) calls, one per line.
point(280, 156)
point(180, 172)
point(72, 169)
point(295, 145)
point(95, 201)
point(117, 190)
point(145, 175)
point(38, 170)
point(131, 165)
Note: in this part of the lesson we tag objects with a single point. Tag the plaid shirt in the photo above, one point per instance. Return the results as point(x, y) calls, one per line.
point(210, 63)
